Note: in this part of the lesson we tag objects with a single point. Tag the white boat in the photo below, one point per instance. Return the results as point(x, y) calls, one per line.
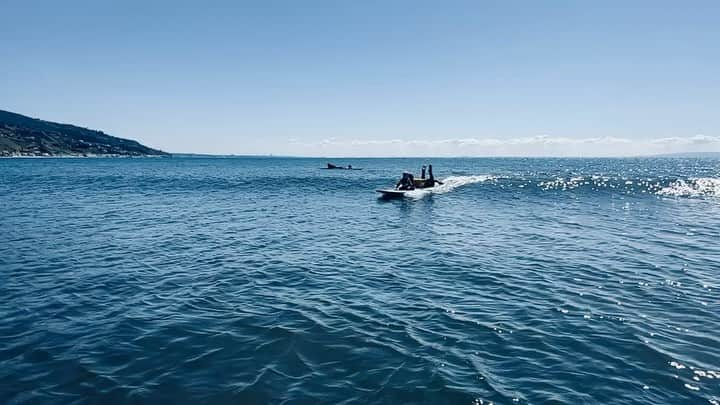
point(395, 193)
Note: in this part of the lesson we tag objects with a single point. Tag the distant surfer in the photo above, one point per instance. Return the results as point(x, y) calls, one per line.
point(407, 182)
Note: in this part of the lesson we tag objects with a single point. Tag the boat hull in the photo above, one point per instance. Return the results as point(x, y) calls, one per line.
point(391, 193)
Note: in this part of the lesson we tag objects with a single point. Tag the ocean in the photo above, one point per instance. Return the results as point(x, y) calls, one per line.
point(268, 280)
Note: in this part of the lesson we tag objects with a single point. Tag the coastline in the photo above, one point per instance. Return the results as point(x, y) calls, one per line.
point(88, 156)
point(701, 155)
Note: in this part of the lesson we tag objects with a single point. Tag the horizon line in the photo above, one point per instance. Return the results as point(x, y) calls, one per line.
point(268, 155)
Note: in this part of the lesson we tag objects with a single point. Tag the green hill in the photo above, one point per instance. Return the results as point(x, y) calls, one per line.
point(25, 136)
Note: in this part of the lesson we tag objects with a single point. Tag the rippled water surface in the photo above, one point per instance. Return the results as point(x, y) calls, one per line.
point(268, 280)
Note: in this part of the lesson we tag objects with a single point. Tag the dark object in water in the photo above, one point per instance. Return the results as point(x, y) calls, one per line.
point(431, 178)
point(331, 166)
point(407, 182)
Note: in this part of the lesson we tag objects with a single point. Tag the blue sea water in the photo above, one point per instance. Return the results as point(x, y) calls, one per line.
point(268, 280)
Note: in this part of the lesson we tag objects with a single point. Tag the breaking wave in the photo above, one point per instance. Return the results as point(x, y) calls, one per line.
point(660, 186)
point(702, 187)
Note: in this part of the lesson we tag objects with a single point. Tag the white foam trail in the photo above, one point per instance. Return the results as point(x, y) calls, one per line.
point(702, 187)
point(449, 184)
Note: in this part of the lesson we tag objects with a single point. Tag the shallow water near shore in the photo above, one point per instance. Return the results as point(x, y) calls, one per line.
point(265, 280)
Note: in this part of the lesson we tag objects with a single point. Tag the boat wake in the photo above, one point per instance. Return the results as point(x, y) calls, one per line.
point(701, 187)
point(449, 184)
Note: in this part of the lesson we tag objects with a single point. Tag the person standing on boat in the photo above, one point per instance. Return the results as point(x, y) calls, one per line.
point(430, 182)
point(422, 173)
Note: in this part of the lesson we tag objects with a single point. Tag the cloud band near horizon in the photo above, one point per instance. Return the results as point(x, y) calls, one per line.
point(542, 145)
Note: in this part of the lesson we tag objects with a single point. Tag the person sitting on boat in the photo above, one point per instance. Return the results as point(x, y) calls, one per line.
point(430, 182)
point(407, 182)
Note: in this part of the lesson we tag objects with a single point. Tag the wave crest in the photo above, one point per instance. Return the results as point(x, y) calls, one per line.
point(701, 187)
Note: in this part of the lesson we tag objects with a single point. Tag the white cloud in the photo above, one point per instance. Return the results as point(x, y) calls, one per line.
point(693, 140)
point(541, 145)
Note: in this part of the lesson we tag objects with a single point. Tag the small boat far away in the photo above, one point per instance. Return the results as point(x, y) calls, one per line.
point(331, 166)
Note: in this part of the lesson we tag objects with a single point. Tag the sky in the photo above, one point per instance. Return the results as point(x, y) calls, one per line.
point(372, 78)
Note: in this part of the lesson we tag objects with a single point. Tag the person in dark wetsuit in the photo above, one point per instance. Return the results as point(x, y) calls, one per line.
point(407, 182)
point(422, 172)
point(430, 182)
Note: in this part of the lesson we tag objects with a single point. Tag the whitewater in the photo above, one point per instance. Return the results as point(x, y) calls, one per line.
point(448, 184)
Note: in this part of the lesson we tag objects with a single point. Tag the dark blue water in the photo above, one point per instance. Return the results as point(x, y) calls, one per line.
point(267, 280)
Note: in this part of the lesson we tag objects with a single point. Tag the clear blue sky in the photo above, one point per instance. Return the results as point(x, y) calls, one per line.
point(371, 77)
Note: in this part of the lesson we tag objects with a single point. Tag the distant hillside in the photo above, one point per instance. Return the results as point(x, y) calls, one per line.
point(25, 136)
